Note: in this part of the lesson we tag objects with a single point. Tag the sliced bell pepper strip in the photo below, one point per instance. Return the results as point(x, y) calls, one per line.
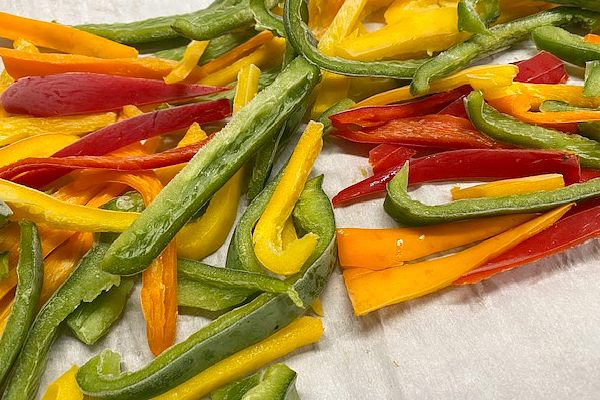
point(190, 59)
point(377, 249)
point(372, 290)
point(268, 245)
point(278, 380)
point(537, 94)
point(476, 15)
point(470, 164)
point(565, 45)
point(30, 274)
point(5, 79)
point(381, 151)
point(508, 187)
point(591, 130)
point(441, 131)
point(569, 231)
point(592, 38)
point(34, 146)
point(83, 92)
point(194, 134)
point(483, 76)
point(4, 265)
point(397, 157)
point(338, 107)
point(321, 13)
point(592, 79)
point(20, 64)
point(13, 129)
point(501, 127)
point(399, 205)
point(64, 387)
point(62, 38)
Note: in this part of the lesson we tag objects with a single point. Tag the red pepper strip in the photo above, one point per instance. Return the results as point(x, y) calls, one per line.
point(397, 157)
point(138, 163)
point(470, 164)
point(587, 174)
point(381, 151)
point(566, 233)
point(129, 131)
point(83, 93)
point(441, 131)
point(370, 116)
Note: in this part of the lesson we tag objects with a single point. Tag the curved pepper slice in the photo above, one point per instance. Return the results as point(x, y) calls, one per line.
point(476, 15)
point(509, 187)
point(35, 146)
point(565, 45)
point(377, 249)
point(188, 62)
point(372, 290)
point(268, 245)
point(30, 274)
point(64, 387)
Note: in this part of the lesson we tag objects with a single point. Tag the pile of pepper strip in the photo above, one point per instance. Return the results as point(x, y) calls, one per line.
point(114, 166)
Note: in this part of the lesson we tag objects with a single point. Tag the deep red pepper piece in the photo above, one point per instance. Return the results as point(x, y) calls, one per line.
point(83, 93)
point(470, 164)
point(570, 231)
point(396, 157)
point(131, 130)
point(380, 151)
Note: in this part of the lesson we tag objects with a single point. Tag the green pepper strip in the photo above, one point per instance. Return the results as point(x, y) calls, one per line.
point(342, 105)
point(265, 19)
point(592, 79)
point(278, 382)
point(565, 45)
point(154, 29)
point(214, 164)
point(590, 130)
point(236, 390)
point(589, 4)
point(30, 275)
point(200, 295)
point(499, 38)
point(84, 285)
point(302, 40)
point(92, 321)
point(101, 377)
point(476, 15)
point(399, 205)
point(507, 129)
point(5, 213)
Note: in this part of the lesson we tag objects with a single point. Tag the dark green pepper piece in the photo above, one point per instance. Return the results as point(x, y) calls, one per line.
point(588, 4)
point(92, 321)
point(590, 130)
point(565, 45)
point(507, 129)
point(500, 37)
point(592, 79)
point(399, 205)
point(30, 275)
point(278, 383)
point(101, 377)
point(302, 40)
point(265, 19)
point(4, 265)
point(236, 390)
point(340, 106)
point(214, 164)
point(5, 213)
point(196, 294)
point(476, 15)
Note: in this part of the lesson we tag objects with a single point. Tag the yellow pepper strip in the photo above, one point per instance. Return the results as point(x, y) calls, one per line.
point(129, 111)
point(508, 187)
point(317, 308)
point(34, 146)
point(479, 77)
point(65, 387)
point(377, 249)
point(200, 238)
point(418, 34)
point(333, 88)
point(538, 93)
point(193, 135)
point(267, 55)
point(190, 59)
point(63, 38)
point(267, 237)
point(41, 208)
point(16, 128)
point(321, 14)
point(398, 10)
point(372, 290)
point(301, 332)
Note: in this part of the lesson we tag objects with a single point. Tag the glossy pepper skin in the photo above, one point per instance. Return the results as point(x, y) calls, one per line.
point(565, 45)
point(476, 15)
point(399, 205)
point(30, 276)
point(300, 37)
point(500, 37)
point(506, 129)
point(248, 129)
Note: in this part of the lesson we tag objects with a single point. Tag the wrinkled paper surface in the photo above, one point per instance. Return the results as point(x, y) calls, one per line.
point(533, 333)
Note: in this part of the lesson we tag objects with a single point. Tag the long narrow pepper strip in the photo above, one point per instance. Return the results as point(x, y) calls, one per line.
point(372, 290)
point(509, 187)
point(35, 146)
point(191, 56)
point(83, 93)
point(62, 37)
point(267, 240)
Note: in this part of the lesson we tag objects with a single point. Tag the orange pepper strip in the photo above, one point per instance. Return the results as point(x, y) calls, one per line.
point(372, 290)
point(377, 249)
point(20, 64)
point(592, 38)
point(62, 38)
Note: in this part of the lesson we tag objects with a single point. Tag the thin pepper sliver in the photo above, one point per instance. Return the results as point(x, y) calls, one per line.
point(191, 56)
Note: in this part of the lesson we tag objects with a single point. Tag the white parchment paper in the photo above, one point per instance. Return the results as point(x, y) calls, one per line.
point(533, 333)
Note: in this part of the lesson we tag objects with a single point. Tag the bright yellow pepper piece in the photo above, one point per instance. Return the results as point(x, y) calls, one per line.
point(508, 187)
point(34, 146)
point(479, 77)
point(372, 290)
point(41, 208)
point(203, 237)
point(301, 332)
point(320, 15)
point(65, 387)
point(377, 249)
point(129, 111)
point(399, 9)
point(190, 59)
point(267, 55)
point(267, 237)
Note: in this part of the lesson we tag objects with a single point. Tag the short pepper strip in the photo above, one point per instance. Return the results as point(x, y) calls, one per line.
point(509, 187)
point(372, 290)
point(188, 62)
point(268, 244)
point(64, 387)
